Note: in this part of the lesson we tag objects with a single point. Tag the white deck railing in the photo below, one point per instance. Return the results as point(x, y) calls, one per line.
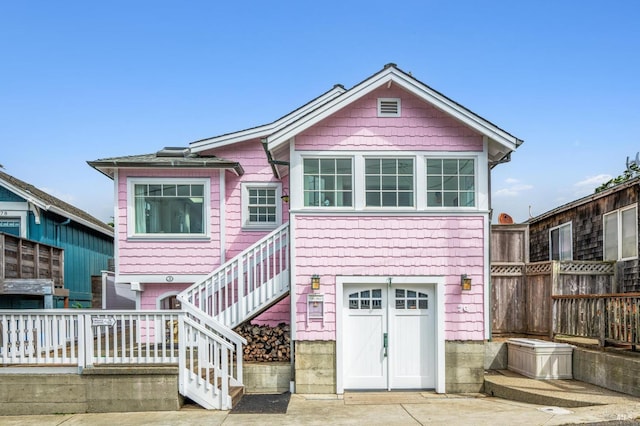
point(245, 285)
point(84, 338)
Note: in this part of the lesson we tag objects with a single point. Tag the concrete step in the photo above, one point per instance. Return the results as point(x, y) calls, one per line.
point(560, 393)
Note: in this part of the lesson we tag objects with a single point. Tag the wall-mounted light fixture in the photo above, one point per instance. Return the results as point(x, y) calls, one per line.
point(465, 282)
point(285, 197)
point(315, 282)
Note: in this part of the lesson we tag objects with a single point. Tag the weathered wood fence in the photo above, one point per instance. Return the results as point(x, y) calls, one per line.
point(29, 267)
point(576, 298)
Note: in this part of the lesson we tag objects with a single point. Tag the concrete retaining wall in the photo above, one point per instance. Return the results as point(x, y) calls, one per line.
point(315, 367)
point(266, 377)
point(609, 370)
point(464, 366)
point(95, 390)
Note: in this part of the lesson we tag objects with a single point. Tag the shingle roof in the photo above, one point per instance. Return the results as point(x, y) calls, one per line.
point(166, 158)
point(31, 193)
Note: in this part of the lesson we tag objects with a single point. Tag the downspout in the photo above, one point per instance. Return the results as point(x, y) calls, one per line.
point(492, 164)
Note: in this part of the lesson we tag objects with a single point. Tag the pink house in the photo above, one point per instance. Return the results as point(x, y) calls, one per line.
point(355, 218)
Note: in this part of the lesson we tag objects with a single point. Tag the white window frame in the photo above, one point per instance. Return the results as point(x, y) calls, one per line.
point(561, 228)
point(330, 157)
point(398, 101)
point(618, 214)
point(363, 176)
point(260, 226)
point(131, 214)
point(296, 180)
point(476, 190)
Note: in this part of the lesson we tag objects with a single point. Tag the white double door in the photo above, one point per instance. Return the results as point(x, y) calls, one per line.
point(389, 337)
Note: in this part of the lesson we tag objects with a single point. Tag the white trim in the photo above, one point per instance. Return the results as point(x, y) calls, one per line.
point(248, 226)
point(206, 214)
point(387, 76)
point(437, 281)
point(116, 222)
point(160, 278)
point(265, 130)
point(358, 162)
point(559, 228)
point(165, 295)
point(292, 261)
point(222, 191)
point(618, 212)
point(15, 210)
point(397, 101)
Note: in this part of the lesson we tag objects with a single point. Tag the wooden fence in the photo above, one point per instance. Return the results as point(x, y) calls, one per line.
point(543, 298)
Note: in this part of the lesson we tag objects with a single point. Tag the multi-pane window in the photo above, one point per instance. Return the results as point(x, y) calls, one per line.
point(560, 243)
point(410, 299)
point(621, 234)
point(261, 205)
point(366, 299)
point(451, 182)
point(389, 182)
point(169, 208)
point(328, 182)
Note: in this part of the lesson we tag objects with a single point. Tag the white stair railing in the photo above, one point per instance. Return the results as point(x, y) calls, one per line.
point(247, 284)
point(210, 359)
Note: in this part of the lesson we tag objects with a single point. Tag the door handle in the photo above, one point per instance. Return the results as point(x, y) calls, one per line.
point(385, 343)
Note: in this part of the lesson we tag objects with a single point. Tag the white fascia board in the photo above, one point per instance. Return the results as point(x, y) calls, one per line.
point(48, 207)
point(267, 129)
point(391, 75)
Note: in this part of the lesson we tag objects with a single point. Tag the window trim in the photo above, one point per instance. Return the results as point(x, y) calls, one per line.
point(334, 157)
point(559, 228)
point(618, 213)
point(131, 214)
point(398, 101)
point(476, 188)
point(363, 176)
point(246, 224)
point(296, 181)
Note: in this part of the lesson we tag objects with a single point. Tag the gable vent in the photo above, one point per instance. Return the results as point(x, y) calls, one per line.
point(389, 107)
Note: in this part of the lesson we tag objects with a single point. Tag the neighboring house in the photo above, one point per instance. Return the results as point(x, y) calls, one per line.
point(599, 227)
point(384, 190)
point(29, 213)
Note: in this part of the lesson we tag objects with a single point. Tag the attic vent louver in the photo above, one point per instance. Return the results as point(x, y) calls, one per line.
point(389, 107)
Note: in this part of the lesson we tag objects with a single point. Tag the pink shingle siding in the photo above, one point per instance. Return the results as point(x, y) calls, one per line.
point(391, 246)
point(256, 169)
point(420, 127)
point(148, 256)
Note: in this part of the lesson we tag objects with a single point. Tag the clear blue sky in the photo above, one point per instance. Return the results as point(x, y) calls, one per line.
point(83, 80)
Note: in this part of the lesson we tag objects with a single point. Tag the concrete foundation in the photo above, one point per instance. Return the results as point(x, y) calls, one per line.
point(609, 370)
point(464, 366)
point(95, 390)
point(315, 367)
point(266, 377)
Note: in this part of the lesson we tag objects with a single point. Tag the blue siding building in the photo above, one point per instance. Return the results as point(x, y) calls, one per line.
point(27, 212)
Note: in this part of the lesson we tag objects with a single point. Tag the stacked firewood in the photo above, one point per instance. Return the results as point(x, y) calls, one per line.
point(265, 343)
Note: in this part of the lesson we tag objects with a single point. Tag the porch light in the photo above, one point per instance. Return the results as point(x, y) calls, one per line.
point(465, 282)
point(285, 197)
point(315, 282)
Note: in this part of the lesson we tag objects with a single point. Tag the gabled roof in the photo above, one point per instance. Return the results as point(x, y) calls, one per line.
point(585, 200)
point(47, 202)
point(170, 157)
point(274, 135)
point(260, 132)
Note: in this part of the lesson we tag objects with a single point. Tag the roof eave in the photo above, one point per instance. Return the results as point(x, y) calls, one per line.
point(108, 167)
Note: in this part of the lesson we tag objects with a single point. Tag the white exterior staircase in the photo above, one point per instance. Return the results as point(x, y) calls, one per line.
point(210, 359)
